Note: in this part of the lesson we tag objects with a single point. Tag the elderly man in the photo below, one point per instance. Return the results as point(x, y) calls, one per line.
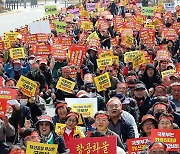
point(117, 123)
point(101, 124)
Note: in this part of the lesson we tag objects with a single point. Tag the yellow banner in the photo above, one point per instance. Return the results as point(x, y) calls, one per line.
point(59, 126)
point(102, 82)
point(168, 72)
point(84, 13)
point(41, 148)
point(93, 35)
point(149, 26)
point(158, 9)
point(128, 56)
point(87, 25)
point(139, 20)
point(11, 36)
point(107, 54)
point(27, 86)
point(129, 40)
point(65, 85)
point(138, 60)
point(103, 62)
point(124, 2)
point(100, 10)
point(16, 53)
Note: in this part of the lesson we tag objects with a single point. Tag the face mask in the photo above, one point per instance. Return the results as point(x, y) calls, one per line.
point(31, 61)
point(17, 67)
point(91, 95)
point(42, 67)
point(8, 115)
point(34, 71)
point(23, 101)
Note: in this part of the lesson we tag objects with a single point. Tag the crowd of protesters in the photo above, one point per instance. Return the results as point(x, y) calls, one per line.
point(140, 99)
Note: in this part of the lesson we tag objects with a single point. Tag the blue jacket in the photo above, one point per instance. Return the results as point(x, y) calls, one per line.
point(10, 71)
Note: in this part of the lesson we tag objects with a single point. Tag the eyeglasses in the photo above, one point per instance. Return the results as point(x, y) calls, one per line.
point(109, 71)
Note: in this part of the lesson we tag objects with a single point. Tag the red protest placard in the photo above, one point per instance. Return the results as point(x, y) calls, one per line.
point(94, 43)
point(93, 145)
point(7, 93)
point(82, 37)
point(147, 35)
point(44, 49)
point(66, 41)
point(170, 137)
point(163, 47)
point(3, 104)
point(41, 37)
point(56, 40)
point(137, 145)
point(23, 30)
point(118, 22)
point(169, 34)
point(163, 54)
point(58, 51)
point(102, 24)
point(131, 24)
point(77, 53)
point(176, 26)
point(114, 42)
point(32, 38)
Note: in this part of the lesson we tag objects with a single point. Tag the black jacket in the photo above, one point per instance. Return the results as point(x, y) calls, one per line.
point(35, 111)
point(39, 78)
point(119, 142)
point(151, 82)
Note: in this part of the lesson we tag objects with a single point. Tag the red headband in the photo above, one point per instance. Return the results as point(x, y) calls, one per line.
point(160, 105)
point(161, 86)
point(102, 116)
point(166, 117)
point(157, 146)
point(72, 114)
point(60, 105)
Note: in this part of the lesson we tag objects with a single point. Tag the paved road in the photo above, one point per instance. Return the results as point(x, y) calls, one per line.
point(17, 18)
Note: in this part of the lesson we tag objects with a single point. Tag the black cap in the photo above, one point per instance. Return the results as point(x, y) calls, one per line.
point(90, 85)
point(140, 86)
